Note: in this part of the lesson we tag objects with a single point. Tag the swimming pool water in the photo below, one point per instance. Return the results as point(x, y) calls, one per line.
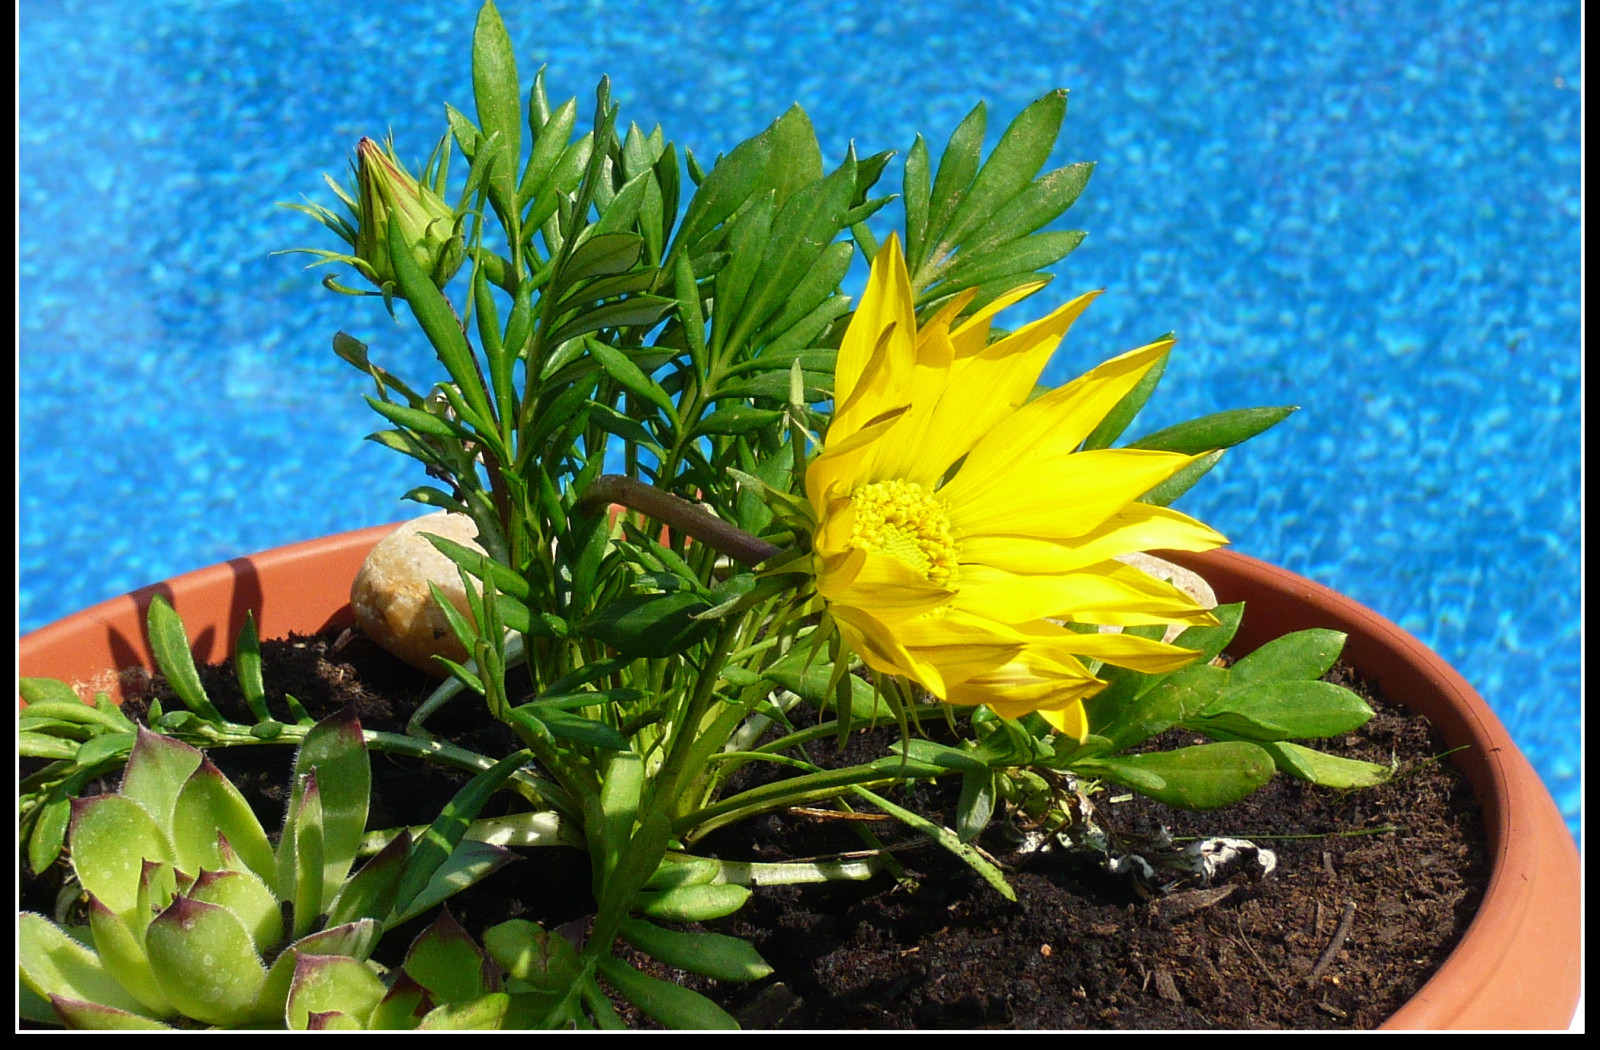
point(1371, 210)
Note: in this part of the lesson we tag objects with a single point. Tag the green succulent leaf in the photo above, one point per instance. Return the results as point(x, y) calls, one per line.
point(206, 961)
point(208, 806)
point(246, 896)
point(1282, 711)
point(336, 752)
point(331, 984)
point(444, 960)
point(1301, 656)
point(52, 963)
point(111, 837)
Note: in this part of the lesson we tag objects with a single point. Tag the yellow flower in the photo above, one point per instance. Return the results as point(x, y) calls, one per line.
point(955, 519)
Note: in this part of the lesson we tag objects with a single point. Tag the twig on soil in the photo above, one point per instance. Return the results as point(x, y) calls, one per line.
point(1338, 941)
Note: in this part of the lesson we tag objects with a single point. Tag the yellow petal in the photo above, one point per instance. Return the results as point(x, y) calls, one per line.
point(887, 301)
point(1109, 593)
point(984, 389)
point(1052, 497)
point(972, 334)
point(1057, 423)
point(1137, 527)
point(893, 590)
point(1130, 651)
point(876, 643)
point(1072, 720)
point(839, 468)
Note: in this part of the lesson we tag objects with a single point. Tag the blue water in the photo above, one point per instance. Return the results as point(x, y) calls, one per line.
point(1368, 209)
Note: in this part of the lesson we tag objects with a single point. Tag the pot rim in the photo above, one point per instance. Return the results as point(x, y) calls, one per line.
point(1518, 966)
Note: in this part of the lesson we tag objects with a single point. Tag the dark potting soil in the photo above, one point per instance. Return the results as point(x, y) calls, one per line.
point(1371, 890)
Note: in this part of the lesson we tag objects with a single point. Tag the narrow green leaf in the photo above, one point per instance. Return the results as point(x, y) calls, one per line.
point(438, 320)
point(497, 96)
point(1219, 430)
point(714, 955)
point(625, 372)
point(169, 643)
point(1021, 152)
point(450, 827)
point(1181, 482)
point(946, 838)
point(672, 1004)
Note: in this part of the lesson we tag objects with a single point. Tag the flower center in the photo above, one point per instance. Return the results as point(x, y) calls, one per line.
point(902, 519)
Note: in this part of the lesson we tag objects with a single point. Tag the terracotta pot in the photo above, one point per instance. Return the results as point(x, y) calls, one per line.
point(1517, 967)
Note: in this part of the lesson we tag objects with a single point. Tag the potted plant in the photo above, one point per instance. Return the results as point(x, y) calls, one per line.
point(945, 531)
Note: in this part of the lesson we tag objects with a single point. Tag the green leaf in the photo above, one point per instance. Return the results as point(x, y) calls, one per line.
point(672, 1004)
point(331, 984)
point(50, 690)
point(247, 667)
point(946, 838)
point(1181, 482)
point(445, 961)
point(246, 896)
point(1208, 776)
point(957, 166)
point(714, 955)
point(976, 804)
point(1219, 430)
point(1324, 769)
point(158, 767)
point(650, 625)
point(450, 827)
point(737, 419)
point(336, 752)
point(1282, 711)
point(625, 372)
point(1018, 258)
point(368, 893)
point(567, 726)
point(206, 961)
point(209, 805)
point(468, 864)
point(782, 158)
point(49, 962)
point(1033, 207)
point(915, 192)
point(697, 903)
point(111, 837)
point(417, 420)
point(169, 643)
point(810, 682)
point(634, 311)
point(1021, 152)
point(438, 320)
point(1128, 720)
point(497, 95)
point(486, 1013)
point(1302, 656)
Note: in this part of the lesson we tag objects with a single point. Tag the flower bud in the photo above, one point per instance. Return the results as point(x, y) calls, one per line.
point(430, 227)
